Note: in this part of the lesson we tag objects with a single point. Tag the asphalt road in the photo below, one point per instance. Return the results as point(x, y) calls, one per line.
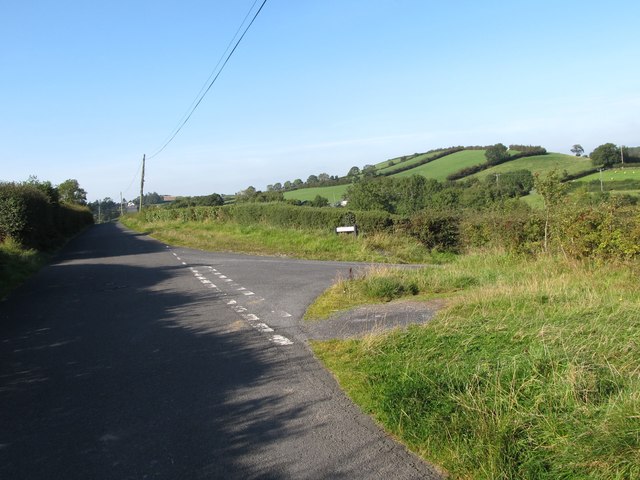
point(127, 359)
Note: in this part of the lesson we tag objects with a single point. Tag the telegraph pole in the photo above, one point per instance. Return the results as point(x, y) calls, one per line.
point(121, 206)
point(601, 187)
point(622, 155)
point(142, 183)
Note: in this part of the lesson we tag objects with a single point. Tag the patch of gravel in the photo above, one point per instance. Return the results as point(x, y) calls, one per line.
point(361, 321)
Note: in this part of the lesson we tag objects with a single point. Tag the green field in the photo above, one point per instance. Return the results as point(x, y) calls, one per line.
point(540, 164)
point(616, 174)
point(386, 169)
point(333, 193)
point(440, 168)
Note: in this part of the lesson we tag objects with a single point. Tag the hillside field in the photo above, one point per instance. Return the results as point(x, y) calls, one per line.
point(617, 174)
point(385, 168)
point(541, 164)
point(440, 168)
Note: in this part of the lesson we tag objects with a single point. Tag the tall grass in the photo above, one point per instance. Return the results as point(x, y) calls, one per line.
point(532, 372)
point(17, 264)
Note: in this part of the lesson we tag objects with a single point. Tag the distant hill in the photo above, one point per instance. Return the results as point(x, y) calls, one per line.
point(430, 166)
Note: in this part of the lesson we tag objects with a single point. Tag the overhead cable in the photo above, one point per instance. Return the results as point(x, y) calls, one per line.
point(203, 91)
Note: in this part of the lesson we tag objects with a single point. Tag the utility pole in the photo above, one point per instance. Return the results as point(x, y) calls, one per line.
point(99, 213)
point(142, 183)
point(622, 155)
point(601, 188)
point(121, 206)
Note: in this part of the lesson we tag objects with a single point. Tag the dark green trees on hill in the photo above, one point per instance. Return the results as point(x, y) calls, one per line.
point(496, 154)
point(606, 155)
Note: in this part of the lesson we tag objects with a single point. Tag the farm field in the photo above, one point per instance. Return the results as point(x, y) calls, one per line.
point(332, 193)
point(439, 169)
point(616, 174)
point(384, 168)
point(540, 164)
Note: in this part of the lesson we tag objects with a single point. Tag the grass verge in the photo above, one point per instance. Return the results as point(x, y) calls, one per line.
point(17, 264)
point(533, 371)
point(266, 240)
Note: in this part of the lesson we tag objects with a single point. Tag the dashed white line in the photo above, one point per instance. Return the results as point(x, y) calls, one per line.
point(263, 327)
point(249, 317)
point(280, 340)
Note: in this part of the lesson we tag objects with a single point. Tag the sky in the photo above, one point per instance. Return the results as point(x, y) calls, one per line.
point(316, 86)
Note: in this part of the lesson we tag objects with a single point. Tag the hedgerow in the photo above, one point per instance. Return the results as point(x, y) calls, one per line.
point(29, 217)
point(608, 231)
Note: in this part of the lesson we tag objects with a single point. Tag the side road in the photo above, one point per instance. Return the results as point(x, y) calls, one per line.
point(129, 359)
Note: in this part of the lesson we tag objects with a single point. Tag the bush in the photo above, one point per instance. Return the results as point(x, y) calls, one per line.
point(435, 229)
point(27, 216)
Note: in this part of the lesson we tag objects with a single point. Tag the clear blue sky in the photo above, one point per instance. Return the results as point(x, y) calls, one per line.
point(316, 86)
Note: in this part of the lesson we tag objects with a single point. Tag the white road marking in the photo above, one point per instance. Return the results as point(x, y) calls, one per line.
point(263, 327)
point(227, 280)
point(206, 282)
point(223, 276)
point(250, 317)
point(183, 263)
point(248, 293)
point(280, 340)
point(231, 302)
point(241, 288)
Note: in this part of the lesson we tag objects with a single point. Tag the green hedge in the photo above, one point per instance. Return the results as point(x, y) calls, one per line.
point(27, 216)
point(608, 231)
point(277, 214)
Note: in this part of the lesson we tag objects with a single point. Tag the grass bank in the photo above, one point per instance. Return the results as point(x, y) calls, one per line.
point(261, 239)
point(532, 371)
point(17, 264)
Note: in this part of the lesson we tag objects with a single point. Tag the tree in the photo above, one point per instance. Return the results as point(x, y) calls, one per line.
point(369, 171)
point(320, 202)
point(324, 178)
point(298, 183)
point(577, 150)
point(70, 192)
point(496, 154)
point(45, 187)
point(353, 172)
point(312, 180)
point(552, 190)
point(606, 155)
point(288, 185)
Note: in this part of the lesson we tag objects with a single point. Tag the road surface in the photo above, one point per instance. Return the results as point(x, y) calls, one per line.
point(128, 359)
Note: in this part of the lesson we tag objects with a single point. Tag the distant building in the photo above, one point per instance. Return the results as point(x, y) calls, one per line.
point(169, 198)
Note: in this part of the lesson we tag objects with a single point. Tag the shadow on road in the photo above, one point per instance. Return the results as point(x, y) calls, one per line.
point(109, 369)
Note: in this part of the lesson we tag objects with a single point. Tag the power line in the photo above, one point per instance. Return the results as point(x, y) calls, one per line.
point(204, 85)
point(134, 178)
point(202, 93)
